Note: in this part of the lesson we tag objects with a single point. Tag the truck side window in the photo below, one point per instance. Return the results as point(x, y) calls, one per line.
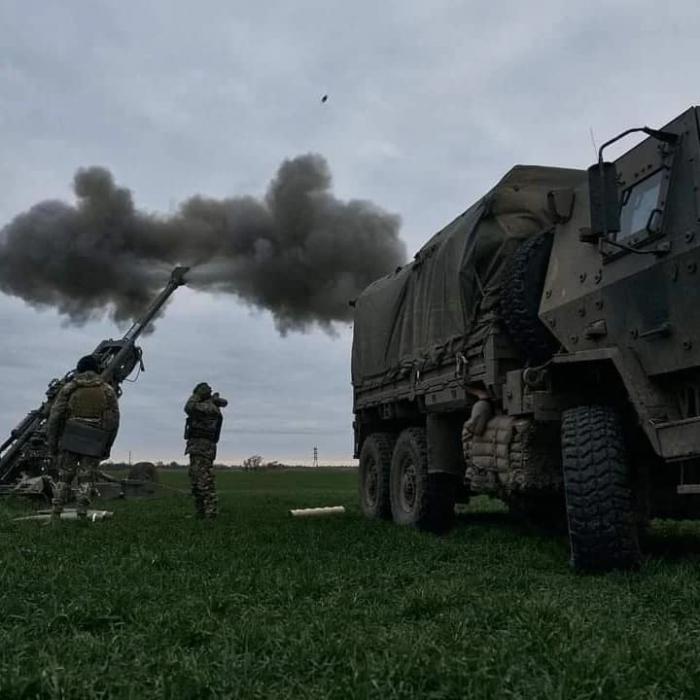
point(637, 204)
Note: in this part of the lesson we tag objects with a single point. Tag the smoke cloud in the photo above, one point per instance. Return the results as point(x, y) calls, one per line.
point(299, 253)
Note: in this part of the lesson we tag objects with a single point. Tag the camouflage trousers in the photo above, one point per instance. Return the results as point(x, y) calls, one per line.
point(70, 466)
point(201, 473)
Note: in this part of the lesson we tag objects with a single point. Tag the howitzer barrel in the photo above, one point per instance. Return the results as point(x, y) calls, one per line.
point(21, 428)
point(177, 279)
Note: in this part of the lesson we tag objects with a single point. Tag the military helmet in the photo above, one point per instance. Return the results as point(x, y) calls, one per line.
point(202, 389)
point(88, 363)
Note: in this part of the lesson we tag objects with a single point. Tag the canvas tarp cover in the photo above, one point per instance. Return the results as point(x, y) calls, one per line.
point(432, 307)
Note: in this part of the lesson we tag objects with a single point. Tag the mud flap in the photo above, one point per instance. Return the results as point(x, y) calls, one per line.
point(444, 435)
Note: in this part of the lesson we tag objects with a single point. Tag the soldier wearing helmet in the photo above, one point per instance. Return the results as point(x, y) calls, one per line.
point(81, 430)
point(202, 431)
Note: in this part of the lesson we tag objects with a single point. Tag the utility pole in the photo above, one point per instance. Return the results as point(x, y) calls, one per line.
point(315, 456)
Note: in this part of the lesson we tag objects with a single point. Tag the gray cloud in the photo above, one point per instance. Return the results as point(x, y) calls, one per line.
point(300, 253)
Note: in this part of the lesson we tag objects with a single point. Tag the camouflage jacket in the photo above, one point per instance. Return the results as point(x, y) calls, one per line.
point(63, 409)
point(203, 425)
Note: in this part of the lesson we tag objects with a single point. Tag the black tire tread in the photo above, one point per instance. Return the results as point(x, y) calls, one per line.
point(599, 501)
point(521, 291)
point(383, 446)
point(435, 508)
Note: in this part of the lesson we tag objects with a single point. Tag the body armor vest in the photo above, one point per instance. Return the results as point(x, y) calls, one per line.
point(83, 432)
point(204, 427)
point(87, 403)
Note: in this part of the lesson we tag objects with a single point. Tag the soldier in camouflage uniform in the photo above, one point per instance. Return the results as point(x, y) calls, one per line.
point(81, 429)
point(202, 430)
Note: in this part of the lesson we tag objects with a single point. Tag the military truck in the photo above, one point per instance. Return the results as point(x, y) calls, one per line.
point(544, 349)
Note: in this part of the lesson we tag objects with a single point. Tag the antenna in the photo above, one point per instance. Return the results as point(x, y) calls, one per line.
point(595, 148)
point(315, 456)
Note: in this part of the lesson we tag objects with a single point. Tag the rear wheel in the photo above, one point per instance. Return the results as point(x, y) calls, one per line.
point(424, 500)
point(603, 531)
point(375, 465)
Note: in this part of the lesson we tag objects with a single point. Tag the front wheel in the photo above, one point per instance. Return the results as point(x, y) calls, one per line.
point(424, 500)
point(603, 533)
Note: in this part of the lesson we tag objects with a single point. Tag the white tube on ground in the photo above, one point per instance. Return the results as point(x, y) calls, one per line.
point(93, 515)
point(311, 512)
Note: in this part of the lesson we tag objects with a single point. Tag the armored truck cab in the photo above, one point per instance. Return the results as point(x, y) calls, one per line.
point(544, 349)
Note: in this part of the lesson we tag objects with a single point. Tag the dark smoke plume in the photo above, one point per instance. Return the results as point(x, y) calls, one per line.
point(300, 253)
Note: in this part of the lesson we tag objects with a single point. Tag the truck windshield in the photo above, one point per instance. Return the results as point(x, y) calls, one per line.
point(637, 204)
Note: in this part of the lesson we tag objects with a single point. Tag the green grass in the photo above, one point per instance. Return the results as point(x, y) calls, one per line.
point(261, 605)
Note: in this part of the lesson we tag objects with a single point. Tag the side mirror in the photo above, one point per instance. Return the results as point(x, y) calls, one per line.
point(604, 202)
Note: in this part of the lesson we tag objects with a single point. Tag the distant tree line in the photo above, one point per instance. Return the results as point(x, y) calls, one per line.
point(252, 463)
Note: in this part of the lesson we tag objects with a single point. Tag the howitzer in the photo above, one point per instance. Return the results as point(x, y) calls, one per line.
point(117, 359)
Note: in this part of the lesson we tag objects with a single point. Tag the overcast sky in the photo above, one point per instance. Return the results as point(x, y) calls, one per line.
point(430, 102)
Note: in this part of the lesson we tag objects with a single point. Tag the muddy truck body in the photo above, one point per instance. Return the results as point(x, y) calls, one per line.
point(544, 349)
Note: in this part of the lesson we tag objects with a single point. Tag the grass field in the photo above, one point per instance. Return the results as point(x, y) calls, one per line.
point(261, 605)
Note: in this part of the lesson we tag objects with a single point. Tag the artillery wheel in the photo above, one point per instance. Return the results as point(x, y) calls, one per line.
point(424, 500)
point(143, 471)
point(521, 292)
point(375, 463)
point(599, 501)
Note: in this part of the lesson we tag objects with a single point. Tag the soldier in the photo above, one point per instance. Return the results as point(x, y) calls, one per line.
point(81, 430)
point(202, 430)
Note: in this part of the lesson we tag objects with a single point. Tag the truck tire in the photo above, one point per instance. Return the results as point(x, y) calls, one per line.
point(375, 465)
point(426, 501)
point(603, 532)
point(521, 292)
